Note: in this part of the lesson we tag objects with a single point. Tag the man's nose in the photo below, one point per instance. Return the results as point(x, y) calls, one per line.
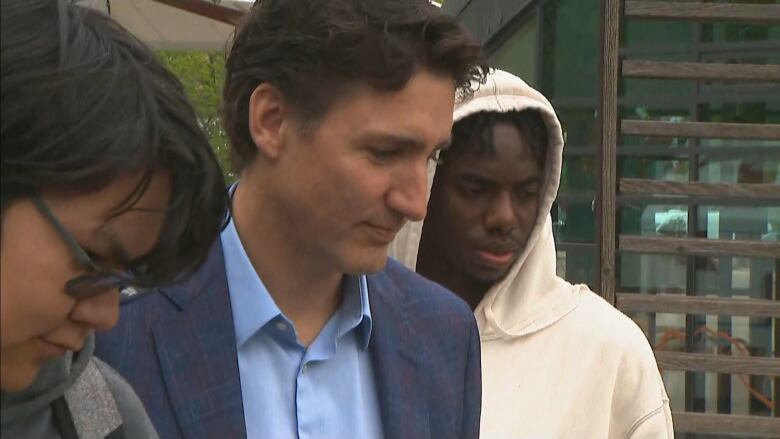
point(501, 214)
point(409, 194)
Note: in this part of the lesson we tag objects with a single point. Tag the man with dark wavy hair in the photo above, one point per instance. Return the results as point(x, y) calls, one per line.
point(299, 326)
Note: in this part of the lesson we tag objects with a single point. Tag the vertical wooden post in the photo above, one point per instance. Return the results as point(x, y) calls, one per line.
point(606, 193)
point(775, 290)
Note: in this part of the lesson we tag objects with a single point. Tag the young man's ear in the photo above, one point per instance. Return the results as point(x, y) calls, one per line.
point(267, 111)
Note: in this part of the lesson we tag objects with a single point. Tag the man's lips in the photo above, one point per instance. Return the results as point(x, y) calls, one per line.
point(498, 254)
point(496, 258)
point(384, 234)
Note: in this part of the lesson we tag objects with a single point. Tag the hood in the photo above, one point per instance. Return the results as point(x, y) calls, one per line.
point(530, 297)
point(53, 379)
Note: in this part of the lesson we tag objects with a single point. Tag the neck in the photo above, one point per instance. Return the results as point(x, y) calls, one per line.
point(436, 269)
point(301, 285)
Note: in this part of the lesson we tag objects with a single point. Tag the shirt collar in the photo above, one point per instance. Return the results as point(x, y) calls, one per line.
point(253, 307)
point(355, 310)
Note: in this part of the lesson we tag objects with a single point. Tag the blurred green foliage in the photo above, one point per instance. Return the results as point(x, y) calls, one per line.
point(203, 74)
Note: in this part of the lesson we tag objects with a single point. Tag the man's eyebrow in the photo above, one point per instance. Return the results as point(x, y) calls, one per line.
point(476, 177)
point(536, 179)
point(400, 140)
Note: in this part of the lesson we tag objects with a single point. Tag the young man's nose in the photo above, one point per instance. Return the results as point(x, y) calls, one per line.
point(501, 214)
point(100, 312)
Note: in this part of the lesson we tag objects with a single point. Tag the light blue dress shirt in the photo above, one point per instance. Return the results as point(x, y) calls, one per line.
point(289, 391)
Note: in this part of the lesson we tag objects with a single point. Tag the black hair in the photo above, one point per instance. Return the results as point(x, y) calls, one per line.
point(84, 101)
point(474, 133)
point(315, 50)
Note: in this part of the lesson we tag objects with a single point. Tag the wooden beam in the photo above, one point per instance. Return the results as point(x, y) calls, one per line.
point(680, 304)
point(207, 9)
point(699, 246)
point(726, 425)
point(701, 71)
point(728, 364)
point(606, 190)
point(701, 129)
point(702, 189)
point(697, 11)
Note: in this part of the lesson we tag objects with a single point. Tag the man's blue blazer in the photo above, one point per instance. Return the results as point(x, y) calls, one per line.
point(177, 347)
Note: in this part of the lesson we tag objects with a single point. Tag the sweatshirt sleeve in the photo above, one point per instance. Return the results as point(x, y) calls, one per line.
point(135, 421)
point(656, 424)
point(640, 404)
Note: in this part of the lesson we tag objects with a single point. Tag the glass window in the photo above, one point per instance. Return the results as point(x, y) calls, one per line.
point(576, 262)
point(517, 54)
point(574, 219)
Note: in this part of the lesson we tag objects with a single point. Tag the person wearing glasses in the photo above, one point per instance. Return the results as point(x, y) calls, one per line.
point(108, 184)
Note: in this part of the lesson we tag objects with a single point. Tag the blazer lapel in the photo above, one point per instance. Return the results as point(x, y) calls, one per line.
point(198, 357)
point(396, 362)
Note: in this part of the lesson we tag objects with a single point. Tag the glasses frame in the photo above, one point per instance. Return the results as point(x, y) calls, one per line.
point(97, 279)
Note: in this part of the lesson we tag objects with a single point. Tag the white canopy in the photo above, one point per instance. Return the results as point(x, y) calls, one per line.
point(167, 27)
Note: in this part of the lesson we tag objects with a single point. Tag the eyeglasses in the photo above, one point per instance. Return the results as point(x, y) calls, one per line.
point(97, 279)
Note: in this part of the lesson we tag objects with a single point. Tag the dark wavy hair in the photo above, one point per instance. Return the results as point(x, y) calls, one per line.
point(474, 134)
point(84, 101)
point(315, 50)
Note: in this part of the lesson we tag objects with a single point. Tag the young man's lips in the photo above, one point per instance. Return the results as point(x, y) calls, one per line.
point(496, 258)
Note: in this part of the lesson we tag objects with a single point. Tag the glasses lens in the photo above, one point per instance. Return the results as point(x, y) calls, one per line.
point(92, 284)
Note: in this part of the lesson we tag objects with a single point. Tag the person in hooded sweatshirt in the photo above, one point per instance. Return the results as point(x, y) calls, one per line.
point(557, 360)
point(107, 184)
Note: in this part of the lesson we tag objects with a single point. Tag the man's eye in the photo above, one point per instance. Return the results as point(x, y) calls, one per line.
point(382, 155)
point(528, 193)
point(473, 188)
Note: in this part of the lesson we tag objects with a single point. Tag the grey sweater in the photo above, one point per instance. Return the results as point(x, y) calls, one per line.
point(28, 414)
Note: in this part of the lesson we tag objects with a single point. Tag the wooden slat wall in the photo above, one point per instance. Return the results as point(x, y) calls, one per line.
point(726, 425)
point(693, 193)
point(730, 364)
point(702, 11)
point(755, 191)
point(680, 304)
point(699, 246)
point(701, 71)
point(701, 129)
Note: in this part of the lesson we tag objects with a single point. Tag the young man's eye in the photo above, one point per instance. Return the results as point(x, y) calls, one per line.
point(528, 192)
point(473, 188)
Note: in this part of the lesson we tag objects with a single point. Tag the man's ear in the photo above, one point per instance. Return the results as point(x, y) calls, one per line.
point(267, 110)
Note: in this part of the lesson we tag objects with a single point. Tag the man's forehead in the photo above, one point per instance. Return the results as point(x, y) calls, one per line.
point(425, 102)
point(401, 138)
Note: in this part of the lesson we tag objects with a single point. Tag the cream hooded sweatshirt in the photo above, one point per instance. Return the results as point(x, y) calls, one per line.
point(557, 360)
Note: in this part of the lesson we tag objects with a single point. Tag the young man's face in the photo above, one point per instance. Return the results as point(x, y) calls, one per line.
point(484, 206)
point(347, 187)
point(40, 321)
